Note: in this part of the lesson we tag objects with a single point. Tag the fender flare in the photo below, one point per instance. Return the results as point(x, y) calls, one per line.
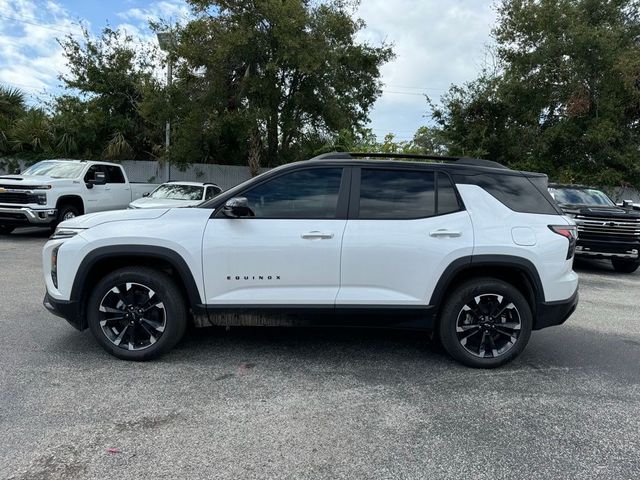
point(473, 261)
point(139, 251)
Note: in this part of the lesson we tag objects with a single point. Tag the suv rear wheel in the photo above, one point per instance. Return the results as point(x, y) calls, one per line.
point(625, 266)
point(137, 313)
point(485, 323)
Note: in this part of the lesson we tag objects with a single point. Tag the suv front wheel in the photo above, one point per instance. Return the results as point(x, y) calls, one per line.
point(137, 313)
point(485, 323)
point(625, 266)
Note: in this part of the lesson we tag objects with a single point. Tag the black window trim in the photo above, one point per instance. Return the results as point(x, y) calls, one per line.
point(356, 177)
point(342, 207)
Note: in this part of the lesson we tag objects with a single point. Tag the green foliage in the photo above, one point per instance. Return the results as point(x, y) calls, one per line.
point(112, 73)
point(288, 73)
point(565, 96)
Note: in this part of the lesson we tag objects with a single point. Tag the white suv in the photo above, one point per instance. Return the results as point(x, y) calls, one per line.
point(469, 248)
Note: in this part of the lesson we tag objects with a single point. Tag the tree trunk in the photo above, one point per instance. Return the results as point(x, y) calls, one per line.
point(272, 139)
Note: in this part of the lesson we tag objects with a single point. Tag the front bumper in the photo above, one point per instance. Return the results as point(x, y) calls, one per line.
point(27, 216)
point(549, 314)
point(589, 248)
point(67, 309)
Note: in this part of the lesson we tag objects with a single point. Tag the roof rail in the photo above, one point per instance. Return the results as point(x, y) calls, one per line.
point(481, 162)
point(478, 162)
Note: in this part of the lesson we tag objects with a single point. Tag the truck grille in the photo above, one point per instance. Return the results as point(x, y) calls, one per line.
point(593, 227)
point(18, 198)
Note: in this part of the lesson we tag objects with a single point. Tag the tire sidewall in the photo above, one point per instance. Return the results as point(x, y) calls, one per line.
point(167, 291)
point(64, 210)
point(625, 266)
point(463, 295)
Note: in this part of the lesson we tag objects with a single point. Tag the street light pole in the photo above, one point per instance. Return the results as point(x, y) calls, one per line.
point(167, 133)
point(165, 40)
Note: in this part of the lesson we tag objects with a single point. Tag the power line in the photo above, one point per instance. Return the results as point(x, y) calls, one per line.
point(49, 27)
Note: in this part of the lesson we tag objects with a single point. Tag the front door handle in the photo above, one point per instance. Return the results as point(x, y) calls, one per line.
point(443, 232)
point(315, 235)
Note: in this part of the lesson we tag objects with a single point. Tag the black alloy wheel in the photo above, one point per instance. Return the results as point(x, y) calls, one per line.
point(485, 323)
point(132, 316)
point(488, 325)
point(137, 313)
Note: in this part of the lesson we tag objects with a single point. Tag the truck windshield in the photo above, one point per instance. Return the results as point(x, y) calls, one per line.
point(174, 191)
point(55, 169)
point(581, 196)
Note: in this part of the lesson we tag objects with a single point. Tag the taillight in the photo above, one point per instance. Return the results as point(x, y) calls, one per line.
point(570, 232)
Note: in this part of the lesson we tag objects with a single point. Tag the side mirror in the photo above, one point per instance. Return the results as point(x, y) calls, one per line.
point(237, 207)
point(146, 194)
point(627, 203)
point(99, 179)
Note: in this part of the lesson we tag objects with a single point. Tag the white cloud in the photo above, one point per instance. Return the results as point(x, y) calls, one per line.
point(30, 57)
point(437, 43)
point(171, 11)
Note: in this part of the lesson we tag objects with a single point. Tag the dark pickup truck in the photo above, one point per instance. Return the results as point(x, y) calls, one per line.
point(605, 230)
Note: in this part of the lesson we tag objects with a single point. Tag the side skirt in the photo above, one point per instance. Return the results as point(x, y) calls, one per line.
point(385, 316)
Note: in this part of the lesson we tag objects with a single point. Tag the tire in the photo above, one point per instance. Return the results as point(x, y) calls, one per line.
point(66, 212)
point(139, 336)
point(469, 308)
point(6, 229)
point(625, 266)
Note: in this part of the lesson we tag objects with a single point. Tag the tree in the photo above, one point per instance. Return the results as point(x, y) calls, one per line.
point(111, 73)
point(289, 71)
point(565, 98)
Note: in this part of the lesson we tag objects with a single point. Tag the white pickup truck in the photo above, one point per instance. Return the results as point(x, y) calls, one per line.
point(51, 191)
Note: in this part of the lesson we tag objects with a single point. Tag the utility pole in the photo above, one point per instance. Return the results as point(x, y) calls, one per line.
point(165, 40)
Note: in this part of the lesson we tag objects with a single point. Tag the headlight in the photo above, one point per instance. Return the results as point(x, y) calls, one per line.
point(66, 232)
point(42, 198)
point(54, 265)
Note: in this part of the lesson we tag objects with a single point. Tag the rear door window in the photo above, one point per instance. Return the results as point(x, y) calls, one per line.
point(396, 194)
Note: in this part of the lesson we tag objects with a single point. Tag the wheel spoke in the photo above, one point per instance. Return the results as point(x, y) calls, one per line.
point(509, 325)
point(118, 339)
point(152, 338)
point(104, 322)
point(492, 345)
point(464, 328)
point(464, 340)
point(506, 334)
point(111, 310)
point(157, 326)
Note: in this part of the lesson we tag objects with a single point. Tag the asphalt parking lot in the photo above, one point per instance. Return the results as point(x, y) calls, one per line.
point(306, 403)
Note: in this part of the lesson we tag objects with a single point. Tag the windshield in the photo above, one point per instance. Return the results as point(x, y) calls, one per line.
point(581, 196)
point(175, 191)
point(55, 169)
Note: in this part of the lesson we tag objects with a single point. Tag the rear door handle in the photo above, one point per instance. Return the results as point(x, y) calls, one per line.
point(315, 235)
point(443, 232)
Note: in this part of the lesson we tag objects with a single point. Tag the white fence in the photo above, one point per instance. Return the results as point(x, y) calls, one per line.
point(226, 176)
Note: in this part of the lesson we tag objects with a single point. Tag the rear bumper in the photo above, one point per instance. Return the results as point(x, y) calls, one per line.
point(67, 309)
point(27, 216)
point(549, 314)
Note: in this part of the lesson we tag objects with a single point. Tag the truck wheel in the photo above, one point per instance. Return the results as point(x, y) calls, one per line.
point(625, 266)
point(6, 229)
point(137, 313)
point(485, 323)
point(67, 212)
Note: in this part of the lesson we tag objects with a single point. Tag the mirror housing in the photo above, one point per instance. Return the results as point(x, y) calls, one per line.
point(99, 179)
point(146, 194)
point(237, 207)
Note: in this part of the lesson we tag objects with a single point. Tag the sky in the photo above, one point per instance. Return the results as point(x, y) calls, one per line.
point(437, 43)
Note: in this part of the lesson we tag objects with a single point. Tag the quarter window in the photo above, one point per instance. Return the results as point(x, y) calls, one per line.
point(396, 194)
point(447, 198)
point(311, 193)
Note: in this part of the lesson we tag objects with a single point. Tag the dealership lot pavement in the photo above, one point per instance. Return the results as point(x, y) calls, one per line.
point(306, 403)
